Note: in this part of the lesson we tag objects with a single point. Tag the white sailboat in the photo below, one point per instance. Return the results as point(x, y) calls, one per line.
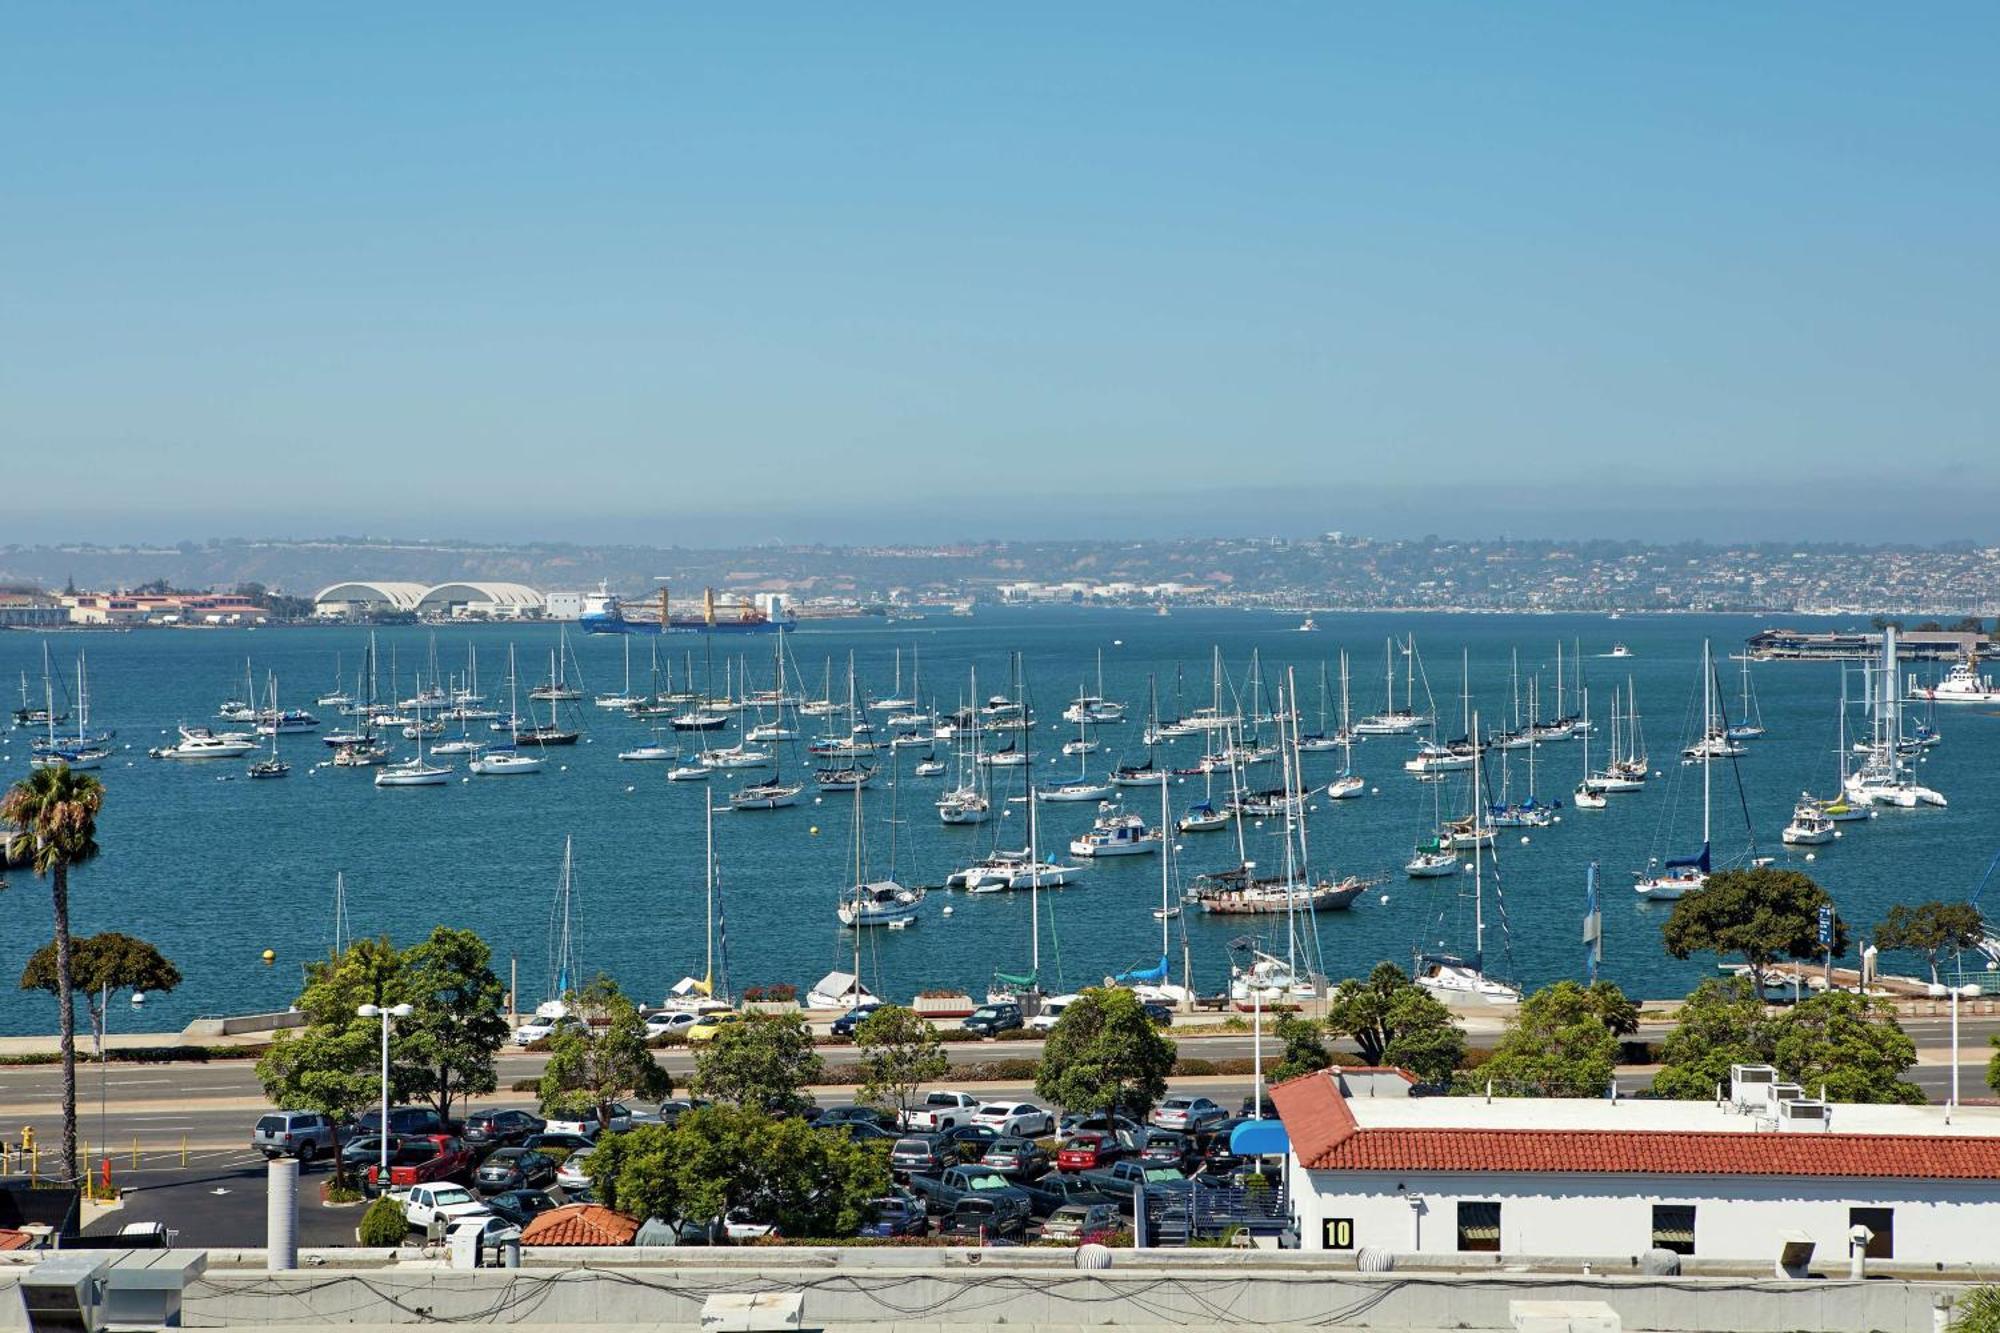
point(415, 772)
point(1461, 981)
point(508, 761)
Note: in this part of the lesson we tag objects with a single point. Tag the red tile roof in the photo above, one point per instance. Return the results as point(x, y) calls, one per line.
point(580, 1224)
point(1327, 1137)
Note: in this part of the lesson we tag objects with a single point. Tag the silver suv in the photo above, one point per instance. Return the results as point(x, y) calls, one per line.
point(301, 1134)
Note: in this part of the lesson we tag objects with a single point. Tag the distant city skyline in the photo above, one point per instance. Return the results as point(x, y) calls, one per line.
point(710, 278)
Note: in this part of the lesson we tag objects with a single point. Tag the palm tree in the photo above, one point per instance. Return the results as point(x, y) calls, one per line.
point(56, 813)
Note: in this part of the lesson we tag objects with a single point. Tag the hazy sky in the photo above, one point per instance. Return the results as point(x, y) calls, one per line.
point(868, 271)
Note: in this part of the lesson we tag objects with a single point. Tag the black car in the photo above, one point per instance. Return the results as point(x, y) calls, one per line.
point(493, 1128)
point(990, 1020)
point(1166, 1147)
point(1057, 1188)
point(1018, 1159)
point(514, 1169)
point(559, 1145)
point(988, 1220)
point(519, 1206)
point(897, 1215)
point(1211, 1143)
point(967, 1143)
point(1160, 1015)
point(861, 1131)
point(403, 1120)
point(844, 1025)
point(836, 1115)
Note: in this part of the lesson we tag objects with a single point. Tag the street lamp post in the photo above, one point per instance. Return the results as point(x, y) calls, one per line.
point(387, 1014)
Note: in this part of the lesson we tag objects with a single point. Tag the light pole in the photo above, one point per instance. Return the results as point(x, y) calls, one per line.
point(387, 1015)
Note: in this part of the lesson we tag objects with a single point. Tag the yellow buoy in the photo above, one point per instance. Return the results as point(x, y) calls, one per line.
point(270, 956)
point(814, 830)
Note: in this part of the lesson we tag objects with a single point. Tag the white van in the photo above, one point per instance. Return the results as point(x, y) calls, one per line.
point(1052, 1008)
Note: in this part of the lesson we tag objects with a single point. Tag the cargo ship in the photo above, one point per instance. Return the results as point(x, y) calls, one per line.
point(604, 613)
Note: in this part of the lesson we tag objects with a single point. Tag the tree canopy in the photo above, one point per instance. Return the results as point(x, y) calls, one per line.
point(1720, 1025)
point(808, 1182)
point(103, 965)
point(900, 1052)
point(587, 1071)
point(447, 1045)
point(763, 1063)
point(1848, 1044)
point(1104, 1053)
point(1305, 1052)
point(1934, 930)
point(1396, 1022)
point(1760, 916)
point(1560, 1044)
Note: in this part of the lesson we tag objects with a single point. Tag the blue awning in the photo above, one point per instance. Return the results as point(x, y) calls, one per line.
point(1259, 1138)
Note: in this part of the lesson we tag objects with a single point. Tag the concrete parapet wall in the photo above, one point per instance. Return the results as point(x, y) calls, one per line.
point(964, 1289)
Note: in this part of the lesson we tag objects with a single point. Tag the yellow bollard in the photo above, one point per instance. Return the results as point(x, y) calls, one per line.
point(135, 1154)
point(184, 1150)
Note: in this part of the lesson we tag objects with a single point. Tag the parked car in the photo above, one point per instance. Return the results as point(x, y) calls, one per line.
point(1120, 1178)
point(496, 1128)
point(1186, 1113)
point(1212, 1143)
point(1022, 1120)
point(844, 1025)
point(359, 1153)
point(919, 1153)
point(514, 1169)
point(1089, 1150)
point(1083, 1222)
point(617, 1119)
point(668, 1021)
point(990, 1020)
point(423, 1204)
point(968, 1143)
point(492, 1229)
point(706, 1027)
point(301, 1134)
point(1018, 1159)
point(406, 1121)
point(861, 1131)
point(1127, 1132)
point(427, 1159)
point(673, 1110)
point(554, 1144)
point(942, 1110)
point(988, 1218)
point(539, 1028)
point(1052, 1010)
point(520, 1206)
point(1066, 1187)
point(896, 1215)
point(1167, 1147)
point(836, 1115)
point(1160, 1014)
point(943, 1190)
point(574, 1173)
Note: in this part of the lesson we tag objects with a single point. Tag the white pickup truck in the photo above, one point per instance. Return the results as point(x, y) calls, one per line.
point(942, 1110)
point(424, 1203)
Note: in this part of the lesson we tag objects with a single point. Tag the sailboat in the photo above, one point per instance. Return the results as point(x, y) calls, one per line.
point(1461, 981)
point(859, 743)
point(81, 753)
point(1015, 987)
point(624, 699)
point(1148, 773)
point(415, 772)
point(1348, 784)
point(1749, 724)
point(557, 688)
point(1081, 787)
point(967, 803)
point(1585, 797)
point(1882, 780)
point(565, 965)
point(866, 902)
point(1094, 708)
point(507, 761)
point(1150, 984)
point(270, 766)
point(1394, 721)
point(1679, 876)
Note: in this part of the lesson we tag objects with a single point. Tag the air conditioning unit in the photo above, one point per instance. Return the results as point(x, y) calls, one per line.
point(1797, 1113)
point(1750, 1087)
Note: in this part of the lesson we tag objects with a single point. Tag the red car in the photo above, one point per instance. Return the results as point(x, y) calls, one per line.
point(1088, 1151)
point(424, 1160)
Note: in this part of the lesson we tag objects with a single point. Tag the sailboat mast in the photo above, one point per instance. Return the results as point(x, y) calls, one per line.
point(1166, 867)
point(1707, 738)
point(1478, 855)
point(708, 816)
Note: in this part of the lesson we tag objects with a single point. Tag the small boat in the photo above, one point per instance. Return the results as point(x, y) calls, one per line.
point(1308, 626)
point(929, 768)
point(1432, 861)
point(1717, 744)
point(689, 773)
point(273, 767)
point(734, 756)
point(1346, 787)
point(880, 903)
point(1203, 818)
point(1961, 685)
point(769, 795)
point(363, 753)
point(1583, 798)
point(1116, 833)
point(463, 745)
point(414, 773)
point(505, 763)
point(964, 806)
point(1617, 650)
point(1809, 827)
point(654, 753)
point(698, 720)
point(850, 778)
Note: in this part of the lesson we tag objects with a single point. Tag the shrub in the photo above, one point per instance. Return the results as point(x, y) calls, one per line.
point(1185, 1068)
point(778, 992)
point(383, 1226)
point(679, 1038)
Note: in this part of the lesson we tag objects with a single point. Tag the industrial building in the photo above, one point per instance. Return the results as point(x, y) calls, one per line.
point(363, 599)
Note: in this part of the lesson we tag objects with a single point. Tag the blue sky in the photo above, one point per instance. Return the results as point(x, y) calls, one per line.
point(853, 272)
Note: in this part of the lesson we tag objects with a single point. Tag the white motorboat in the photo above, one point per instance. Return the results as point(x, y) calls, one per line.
point(201, 743)
point(1116, 833)
point(505, 763)
point(880, 903)
point(1809, 827)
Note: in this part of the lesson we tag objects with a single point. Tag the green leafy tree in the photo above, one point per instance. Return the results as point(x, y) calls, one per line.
point(1104, 1053)
point(1848, 1044)
point(587, 1071)
point(56, 811)
point(332, 1063)
point(1760, 916)
point(1618, 1014)
point(763, 1063)
point(1934, 929)
point(103, 966)
point(446, 1046)
point(1993, 1065)
point(384, 1226)
point(808, 1182)
point(900, 1052)
point(1720, 1025)
point(1394, 1021)
point(1304, 1051)
point(1557, 1045)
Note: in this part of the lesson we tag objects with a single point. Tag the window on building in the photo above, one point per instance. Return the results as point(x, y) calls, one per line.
point(1478, 1226)
point(1673, 1227)
point(1880, 1221)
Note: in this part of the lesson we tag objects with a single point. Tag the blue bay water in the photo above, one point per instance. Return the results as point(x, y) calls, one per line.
point(215, 868)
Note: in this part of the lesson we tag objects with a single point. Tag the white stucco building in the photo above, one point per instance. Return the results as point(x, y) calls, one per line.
point(1373, 1166)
